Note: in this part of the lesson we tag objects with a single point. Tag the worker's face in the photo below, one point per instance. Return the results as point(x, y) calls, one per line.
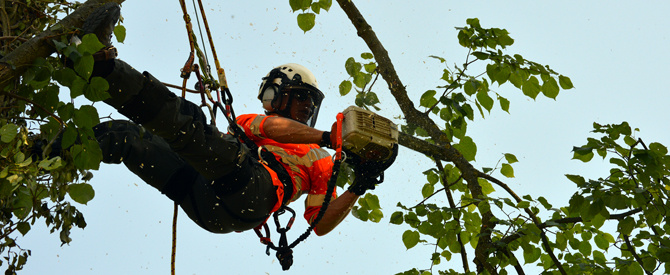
point(300, 106)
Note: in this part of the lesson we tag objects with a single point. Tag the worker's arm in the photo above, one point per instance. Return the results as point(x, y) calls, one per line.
point(336, 212)
point(284, 130)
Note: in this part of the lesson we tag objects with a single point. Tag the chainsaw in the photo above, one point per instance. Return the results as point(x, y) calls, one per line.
point(367, 134)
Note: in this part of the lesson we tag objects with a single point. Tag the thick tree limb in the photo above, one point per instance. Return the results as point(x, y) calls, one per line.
point(412, 115)
point(15, 63)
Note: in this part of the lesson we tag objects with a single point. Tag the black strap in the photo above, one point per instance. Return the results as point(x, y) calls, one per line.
point(284, 250)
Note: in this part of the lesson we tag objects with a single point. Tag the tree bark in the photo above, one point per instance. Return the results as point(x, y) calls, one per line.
point(16, 62)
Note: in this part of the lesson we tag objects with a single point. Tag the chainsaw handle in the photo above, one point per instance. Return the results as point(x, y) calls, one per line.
point(338, 137)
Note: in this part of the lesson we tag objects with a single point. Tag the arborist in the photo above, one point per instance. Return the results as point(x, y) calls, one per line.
point(216, 179)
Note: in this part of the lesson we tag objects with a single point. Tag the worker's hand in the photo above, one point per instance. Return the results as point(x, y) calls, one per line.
point(329, 139)
point(369, 173)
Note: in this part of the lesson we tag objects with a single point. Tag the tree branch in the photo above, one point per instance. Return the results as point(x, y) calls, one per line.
point(452, 204)
point(54, 116)
point(631, 249)
point(551, 223)
point(16, 62)
point(536, 221)
point(414, 116)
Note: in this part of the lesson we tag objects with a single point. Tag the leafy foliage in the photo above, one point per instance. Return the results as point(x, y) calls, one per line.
point(307, 19)
point(360, 76)
point(633, 196)
point(47, 146)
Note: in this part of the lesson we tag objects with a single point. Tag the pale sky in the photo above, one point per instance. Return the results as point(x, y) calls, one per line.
point(615, 52)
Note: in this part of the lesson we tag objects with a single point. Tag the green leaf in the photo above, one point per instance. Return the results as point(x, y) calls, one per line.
point(504, 104)
point(316, 8)
point(503, 75)
point(372, 201)
point(345, 87)
point(120, 33)
point(579, 180)
point(370, 67)
point(523, 204)
point(515, 78)
point(367, 56)
point(626, 226)
point(84, 66)
point(492, 70)
point(352, 66)
point(69, 136)
point(306, 21)
point(66, 111)
point(445, 114)
point(361, 79)
point(550, 88)
point(599, 257)
point(59, 45)
point(428, 99)
point(376, 215)
point(467, 148)
point(487, 188)
point(77, 87)
point(50, 129)
point(481, 55)
point(23, 227)
point(485, 100)
point(531, 88)
point(97, 89)
point(86, 117)
point(601, 242)
point(585, 248)
point(326, 4)
point(23, 203)
point(8, 132)
point(89, 44)
point(299, 4)
point(585, 154)
point(507, 170)
point(565, 82)
point(427, 190)
point(531, 254)
point(65, 76)
point(410, 238)
point(471, 86)
point(371, 98)
point(81, 193)
point(510, 158)
point(360, 214)
point(432, 178)
point(396, 218)
point(50, 164)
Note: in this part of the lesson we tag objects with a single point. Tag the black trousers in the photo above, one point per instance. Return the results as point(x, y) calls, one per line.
point(211, 175)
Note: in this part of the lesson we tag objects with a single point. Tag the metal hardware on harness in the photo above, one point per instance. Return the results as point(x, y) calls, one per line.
point(284, 250)
point(260, 157)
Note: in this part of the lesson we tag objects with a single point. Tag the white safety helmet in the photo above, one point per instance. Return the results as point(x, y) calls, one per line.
point(294, 79)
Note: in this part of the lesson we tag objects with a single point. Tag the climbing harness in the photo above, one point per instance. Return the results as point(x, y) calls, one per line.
point(284, 250)
point(206, 84)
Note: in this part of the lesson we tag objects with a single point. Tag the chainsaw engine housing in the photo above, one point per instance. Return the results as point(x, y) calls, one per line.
point(367, 134)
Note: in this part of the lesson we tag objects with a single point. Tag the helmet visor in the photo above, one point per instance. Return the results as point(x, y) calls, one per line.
point(302, 94)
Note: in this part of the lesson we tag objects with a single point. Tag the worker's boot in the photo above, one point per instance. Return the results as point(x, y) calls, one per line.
point(101, 22)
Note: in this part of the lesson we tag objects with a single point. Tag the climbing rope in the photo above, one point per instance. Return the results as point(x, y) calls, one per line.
point(174, 238)
point(206, 84)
